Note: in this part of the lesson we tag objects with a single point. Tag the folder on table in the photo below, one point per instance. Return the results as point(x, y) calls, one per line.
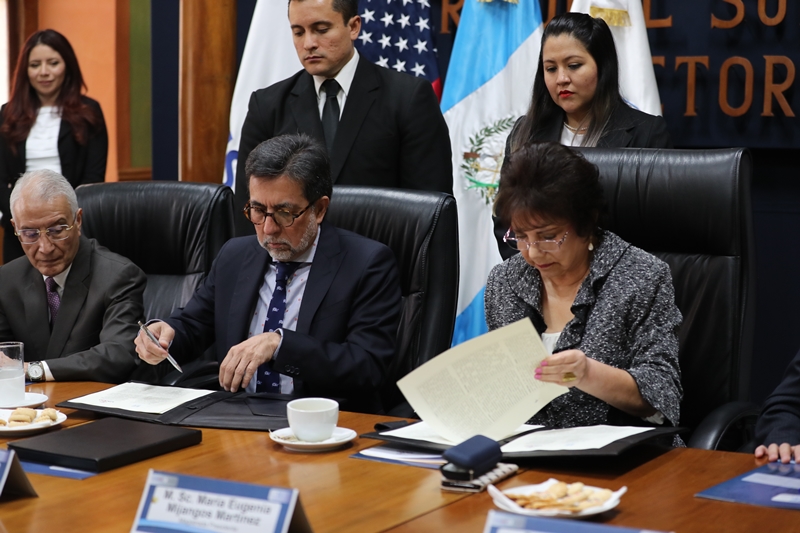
point(105, 444)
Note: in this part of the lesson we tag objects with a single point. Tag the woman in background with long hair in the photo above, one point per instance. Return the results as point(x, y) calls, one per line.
point(576, 99)
point(48, 123)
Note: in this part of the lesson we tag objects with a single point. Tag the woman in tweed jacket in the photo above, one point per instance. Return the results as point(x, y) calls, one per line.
point(605, 309)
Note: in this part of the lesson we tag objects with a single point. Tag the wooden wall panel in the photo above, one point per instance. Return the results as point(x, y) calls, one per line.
point(207, 77)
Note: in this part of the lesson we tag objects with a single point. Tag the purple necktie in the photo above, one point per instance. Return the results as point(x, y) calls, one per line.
point(53, 300)
point(267, 380)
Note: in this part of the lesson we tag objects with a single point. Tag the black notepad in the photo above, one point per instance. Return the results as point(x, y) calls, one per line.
point(105, 444)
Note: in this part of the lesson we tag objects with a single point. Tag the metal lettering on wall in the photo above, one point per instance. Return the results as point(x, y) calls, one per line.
point(726, 70)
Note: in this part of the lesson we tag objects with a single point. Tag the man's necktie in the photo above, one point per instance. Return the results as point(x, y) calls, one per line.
point(330, 113)
point(53, 300)
point(266, 380)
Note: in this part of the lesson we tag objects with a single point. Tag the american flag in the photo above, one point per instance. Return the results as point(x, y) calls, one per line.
point(398, 34)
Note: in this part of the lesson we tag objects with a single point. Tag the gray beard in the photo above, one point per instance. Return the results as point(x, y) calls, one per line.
point(293, 252)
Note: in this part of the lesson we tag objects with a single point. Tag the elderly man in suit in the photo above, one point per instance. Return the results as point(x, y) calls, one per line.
point(301, 308)
point(72, 302)
point(381, 127)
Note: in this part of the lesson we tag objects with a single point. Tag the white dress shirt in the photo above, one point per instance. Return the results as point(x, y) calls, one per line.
point(61, 280)
point(41, 146)
point(295, 288)
point(344, 78)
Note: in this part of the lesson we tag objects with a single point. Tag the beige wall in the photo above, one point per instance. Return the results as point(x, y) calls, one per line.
point(90, 26)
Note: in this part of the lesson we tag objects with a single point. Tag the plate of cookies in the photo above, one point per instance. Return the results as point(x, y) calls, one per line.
point(26, 421)
point(556, 499)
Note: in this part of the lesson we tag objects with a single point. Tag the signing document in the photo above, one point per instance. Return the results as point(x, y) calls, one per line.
point(484, 386)
point(142, 398)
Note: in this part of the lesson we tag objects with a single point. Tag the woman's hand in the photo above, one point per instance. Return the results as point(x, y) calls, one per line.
point(573, 368)
point(568, 368)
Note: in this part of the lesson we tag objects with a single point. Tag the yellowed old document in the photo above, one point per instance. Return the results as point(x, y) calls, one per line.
point(484, 386)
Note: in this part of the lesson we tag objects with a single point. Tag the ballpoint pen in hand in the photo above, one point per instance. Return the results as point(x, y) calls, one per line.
point(152, 337)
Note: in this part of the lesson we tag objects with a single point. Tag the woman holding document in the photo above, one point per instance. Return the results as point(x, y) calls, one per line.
point(605, 309)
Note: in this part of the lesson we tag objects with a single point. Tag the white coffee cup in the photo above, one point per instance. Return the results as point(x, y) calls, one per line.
point(12, 376)
point(312, 419)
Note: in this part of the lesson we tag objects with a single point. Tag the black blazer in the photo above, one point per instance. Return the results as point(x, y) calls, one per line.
point(345, 335)
point(627, 128)
point(80, 163)
point(779, 421)
point(391, 134)
point(92, 338)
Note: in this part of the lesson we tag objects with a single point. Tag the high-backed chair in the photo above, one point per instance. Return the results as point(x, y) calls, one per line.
point(421, 228)
point(171, 230)
point(692, 209)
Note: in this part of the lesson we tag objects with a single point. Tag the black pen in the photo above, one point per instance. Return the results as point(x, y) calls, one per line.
point(152, 337)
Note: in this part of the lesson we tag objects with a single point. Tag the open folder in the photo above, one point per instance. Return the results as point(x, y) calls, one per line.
point(188, 407)
point(486, 386)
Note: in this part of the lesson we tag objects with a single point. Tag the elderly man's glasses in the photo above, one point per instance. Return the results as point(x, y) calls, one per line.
point(55, 233)
point(282, 217)
point(521, 243)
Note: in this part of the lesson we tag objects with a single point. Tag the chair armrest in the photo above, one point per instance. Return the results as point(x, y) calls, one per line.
point(718, 430)
point(192, 372)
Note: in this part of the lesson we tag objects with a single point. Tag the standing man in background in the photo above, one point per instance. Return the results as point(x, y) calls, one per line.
point(381, 128)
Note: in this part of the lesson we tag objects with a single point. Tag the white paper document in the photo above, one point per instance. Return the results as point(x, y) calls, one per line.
point(424, 432)
point(484, 386)
point(395, 454)
point(578, 438)
point(142, 398)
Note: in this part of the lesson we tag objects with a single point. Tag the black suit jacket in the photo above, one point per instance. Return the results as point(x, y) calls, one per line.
point(627, 128)
point(80, 163)
point(779, 421)
point(391, 134)
point(348, 320)
point(92, 338)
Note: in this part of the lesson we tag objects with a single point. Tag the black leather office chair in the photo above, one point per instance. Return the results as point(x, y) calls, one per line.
point(171, 230)
point(421, 228)
point(692, 209)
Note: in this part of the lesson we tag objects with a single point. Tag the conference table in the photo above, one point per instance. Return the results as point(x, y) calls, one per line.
point(342, 494)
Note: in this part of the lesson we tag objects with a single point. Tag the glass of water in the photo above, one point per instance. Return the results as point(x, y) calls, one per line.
point(12, 377)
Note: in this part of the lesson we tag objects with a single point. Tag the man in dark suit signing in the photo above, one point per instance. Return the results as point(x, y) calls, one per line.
point(381, 127)
point(72, 302)
point(302, 307)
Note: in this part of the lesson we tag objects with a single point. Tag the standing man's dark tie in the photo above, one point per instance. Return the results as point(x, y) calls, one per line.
point(266, 380)
point(53, 299)
point(330, 113)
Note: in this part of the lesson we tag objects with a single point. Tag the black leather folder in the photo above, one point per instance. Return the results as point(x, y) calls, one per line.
point(105, 444)
point(614, 449)
point(221, 410)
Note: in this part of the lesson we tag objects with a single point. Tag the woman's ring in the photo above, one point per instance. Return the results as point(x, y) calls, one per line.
point(569, 376)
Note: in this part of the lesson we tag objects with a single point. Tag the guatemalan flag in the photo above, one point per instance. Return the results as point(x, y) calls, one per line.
point(394, 34)
point(488, 86)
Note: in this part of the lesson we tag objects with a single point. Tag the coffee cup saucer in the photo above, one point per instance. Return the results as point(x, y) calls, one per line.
point(286, 438)
point(32, 399)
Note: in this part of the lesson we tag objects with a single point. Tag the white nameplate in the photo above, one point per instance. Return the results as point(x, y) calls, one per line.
point(13, 481)
point(189, 504)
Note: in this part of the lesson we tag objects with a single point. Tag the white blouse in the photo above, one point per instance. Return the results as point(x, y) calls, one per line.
point(571, 138)
point(41, 147)
point(549, 340)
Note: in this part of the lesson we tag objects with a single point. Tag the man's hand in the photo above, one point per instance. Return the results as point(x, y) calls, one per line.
point(149, 351)
point(785, 452)
point(242, 361)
